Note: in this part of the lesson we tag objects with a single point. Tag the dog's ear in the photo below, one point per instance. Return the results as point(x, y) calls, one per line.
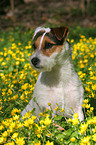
point(61, 33)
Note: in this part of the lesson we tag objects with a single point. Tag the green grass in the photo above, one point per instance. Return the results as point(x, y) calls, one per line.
point(17, 84)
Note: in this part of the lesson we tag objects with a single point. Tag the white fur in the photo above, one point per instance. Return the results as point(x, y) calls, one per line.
point(47, 30)
point(57, 83)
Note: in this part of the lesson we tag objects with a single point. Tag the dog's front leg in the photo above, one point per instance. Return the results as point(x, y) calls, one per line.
point(32, 104)
point(29, 107)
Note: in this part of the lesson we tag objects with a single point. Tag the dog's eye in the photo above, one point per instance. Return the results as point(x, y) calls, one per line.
point(48, 45)
point(34, 47)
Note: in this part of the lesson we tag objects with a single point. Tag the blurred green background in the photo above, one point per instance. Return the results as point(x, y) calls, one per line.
point(33, 13)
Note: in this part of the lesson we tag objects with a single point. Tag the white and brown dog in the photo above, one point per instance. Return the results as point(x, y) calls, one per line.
point(58, 83)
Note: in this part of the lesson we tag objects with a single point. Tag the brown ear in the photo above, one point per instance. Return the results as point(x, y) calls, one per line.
point(60, 32)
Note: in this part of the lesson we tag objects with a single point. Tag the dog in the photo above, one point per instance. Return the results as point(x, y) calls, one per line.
point(58, 83)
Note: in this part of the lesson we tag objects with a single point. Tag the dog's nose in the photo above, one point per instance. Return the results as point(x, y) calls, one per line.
point(35, 61)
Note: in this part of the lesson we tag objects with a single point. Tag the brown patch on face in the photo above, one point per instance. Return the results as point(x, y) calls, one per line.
point(47, 51)
point(37, 42)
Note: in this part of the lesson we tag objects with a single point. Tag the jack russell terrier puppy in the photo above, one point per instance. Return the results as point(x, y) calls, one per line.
point(58, 83)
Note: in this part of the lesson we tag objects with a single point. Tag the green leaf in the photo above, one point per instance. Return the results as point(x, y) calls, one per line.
point(11, 68)
point(59, 136)
point(72, 143)
point(75, 134)
point(58, 118)
point(30, 143)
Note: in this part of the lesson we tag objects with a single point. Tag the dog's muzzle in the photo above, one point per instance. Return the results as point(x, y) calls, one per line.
point(35, 61)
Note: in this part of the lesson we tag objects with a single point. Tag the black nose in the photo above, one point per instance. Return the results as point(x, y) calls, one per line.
point(35, 61)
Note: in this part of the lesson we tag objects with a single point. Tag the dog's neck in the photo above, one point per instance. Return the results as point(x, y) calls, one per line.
point(59, 73)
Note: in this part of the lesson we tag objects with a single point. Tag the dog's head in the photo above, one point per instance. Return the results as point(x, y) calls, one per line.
point(47, 44)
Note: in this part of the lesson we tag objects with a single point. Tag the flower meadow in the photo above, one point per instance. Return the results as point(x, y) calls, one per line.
point(17, 81)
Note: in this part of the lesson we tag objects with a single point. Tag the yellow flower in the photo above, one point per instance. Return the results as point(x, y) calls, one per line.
point(83, 128)
point(87, 106)
point(73, 139)
point(34, 117)
point(41, 121)
point(22, 97)
point(38, 135)
point(92, 55)
point(1, 59)
point(75, 121)
point(94, 120)
point(5, 134)
point(27, 115)
point(73, 57)
point(17, 62)
point(61, 139)
point(19, 125)
point(94, 137)
point(14, 135)
point(85, 139)
point(49, 143)
point(87, 89)
point(2, 140)
point(39, 143)
point(57, 108)
point(40, 114)
point(15, 110)
point(30, 121)
point(12, 125)
point(85, 101)
point(94, 130)
point(94, 87)
point(93, 95)
point(9, 92)
point(29, 54)
point(15, 97)
point(25, 86)
point(72, 40)
point(1, 53)
point(5, 54)
point(82, 66)
point(75, 115)
point(26, 123)
point(62, 110)
point(83, 105)
point(19, 43)
point(86, 60)
point(90, 68)
point(3, 63)
point(69, 120)
point(82, 36)
point(20, 141)
point(1, 127)
point(47, 121)
point(91, 108)
point(49, 104)
point(55, 116)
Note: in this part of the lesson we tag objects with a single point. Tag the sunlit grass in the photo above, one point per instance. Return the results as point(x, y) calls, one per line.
point(17, 81)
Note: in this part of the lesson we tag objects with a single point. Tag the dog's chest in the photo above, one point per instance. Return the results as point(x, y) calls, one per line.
point(45, 95)
point(49, 92)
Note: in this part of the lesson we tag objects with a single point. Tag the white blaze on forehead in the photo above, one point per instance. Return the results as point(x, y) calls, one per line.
point(47, 30)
